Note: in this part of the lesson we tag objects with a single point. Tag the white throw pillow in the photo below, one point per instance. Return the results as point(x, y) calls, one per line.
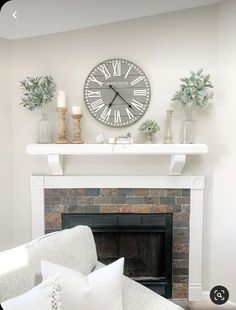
point(100, 290)
point(45, 296)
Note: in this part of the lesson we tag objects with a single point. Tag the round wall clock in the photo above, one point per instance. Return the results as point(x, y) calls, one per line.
point(117, 93)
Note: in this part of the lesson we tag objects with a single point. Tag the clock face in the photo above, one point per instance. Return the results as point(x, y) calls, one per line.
point(117, 93)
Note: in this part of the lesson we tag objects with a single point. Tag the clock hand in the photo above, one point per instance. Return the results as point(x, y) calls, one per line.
point(110, 104)
point(129, 105)
point(118, 94)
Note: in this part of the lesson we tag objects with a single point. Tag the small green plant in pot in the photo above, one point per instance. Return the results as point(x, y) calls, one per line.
point(194, 92)
point(37, 92)
point(149, 127)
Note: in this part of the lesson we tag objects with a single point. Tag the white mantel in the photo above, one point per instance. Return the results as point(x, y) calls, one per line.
point(176, 152)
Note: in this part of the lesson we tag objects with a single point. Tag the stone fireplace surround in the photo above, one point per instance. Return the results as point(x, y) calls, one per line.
point(182, 189)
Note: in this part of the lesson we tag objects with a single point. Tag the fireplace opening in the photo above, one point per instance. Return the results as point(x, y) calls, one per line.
point(145, 240)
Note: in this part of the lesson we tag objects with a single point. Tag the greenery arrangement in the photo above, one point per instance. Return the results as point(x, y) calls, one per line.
point(194, 90)
point(149, 126)
point(37, 92)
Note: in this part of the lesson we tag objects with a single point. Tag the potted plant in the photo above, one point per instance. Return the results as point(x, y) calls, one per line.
point(149, 127)
point(37, 92)
point(193, 92)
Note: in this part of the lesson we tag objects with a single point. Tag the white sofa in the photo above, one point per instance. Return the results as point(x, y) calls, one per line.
point(74, 248)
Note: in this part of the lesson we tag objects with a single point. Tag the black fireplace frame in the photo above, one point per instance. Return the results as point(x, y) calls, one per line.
point(132, 222)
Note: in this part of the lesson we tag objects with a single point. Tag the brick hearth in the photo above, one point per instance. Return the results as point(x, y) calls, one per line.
point(130, 200)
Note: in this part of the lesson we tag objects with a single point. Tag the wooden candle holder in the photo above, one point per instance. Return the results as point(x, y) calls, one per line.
point(76, 129)
point(62, 139)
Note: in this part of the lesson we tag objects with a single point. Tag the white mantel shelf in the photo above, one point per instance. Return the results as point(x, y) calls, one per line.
point(177, 152)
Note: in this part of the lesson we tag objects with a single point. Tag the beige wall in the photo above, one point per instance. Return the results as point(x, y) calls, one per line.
point(6, 176)
point(166, 46)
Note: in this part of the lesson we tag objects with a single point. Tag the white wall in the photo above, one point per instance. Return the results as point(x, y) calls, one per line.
point(6, 180)
point(166, 47)
point(222, 227)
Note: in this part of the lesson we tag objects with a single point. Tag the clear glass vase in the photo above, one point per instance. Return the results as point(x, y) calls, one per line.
point(188, 126)
point(44, 132)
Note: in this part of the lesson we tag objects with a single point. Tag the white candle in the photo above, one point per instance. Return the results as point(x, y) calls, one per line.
point(61, 99)
point(76, 110)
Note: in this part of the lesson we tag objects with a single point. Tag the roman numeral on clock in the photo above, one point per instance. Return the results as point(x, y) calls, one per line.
point(137, 105)
point(97, 105)
point(92, 78)
point(139, 79)
point(127, 73)
point(94, 94)
point(105, 71)
point(106, 114)
point(117, 118)
point(140, 92)
point(116, 68)
point(130, 115)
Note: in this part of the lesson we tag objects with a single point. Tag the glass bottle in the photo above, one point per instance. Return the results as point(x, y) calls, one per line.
point(44, 133)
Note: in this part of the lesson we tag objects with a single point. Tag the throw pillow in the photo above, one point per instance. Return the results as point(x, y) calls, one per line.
point(45, 296)
point(100, 290)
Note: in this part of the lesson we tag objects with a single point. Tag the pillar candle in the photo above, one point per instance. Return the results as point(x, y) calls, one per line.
point(76, 110)
point(61, 99)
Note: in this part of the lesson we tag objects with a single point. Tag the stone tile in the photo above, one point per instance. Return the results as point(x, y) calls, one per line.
point(173, 208)
point(157, 192)
point(152, 200)
point(52, 221)
point(118, 200)
point(180, 290)
point(182, 200)
point(180, 279)
point(180, 235)
point(124, 191)
point(46, 192)
point(101, 200)
point(144, 192)
point(180, 263)
point(172, 192)
point(181, 216)
point(58, 192)
point(92, 192)
point(185, 208)
point(48, 208)
point(158, 209)
point(135, 200)
point(124, 209)
point(74, 192)
point(180, 224)
point(108, 209)
point(140, 209)
point(70, 201)
point(108, 191)
point(181, 247)
point(86, 200)
point(167, 200)
point(180, 255)
point(91, 209)
point(59, 208)
point(52, 200)
point(180, 271)
point(186, 192)
point(76, 209)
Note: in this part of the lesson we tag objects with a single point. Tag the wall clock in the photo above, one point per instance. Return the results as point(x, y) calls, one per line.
point(117, 93)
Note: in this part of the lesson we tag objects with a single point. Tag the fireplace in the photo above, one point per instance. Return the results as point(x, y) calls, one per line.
point(53, 195)
point(145, 240)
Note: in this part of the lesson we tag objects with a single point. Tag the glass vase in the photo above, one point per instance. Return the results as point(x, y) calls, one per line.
point(188, 126)
point(44, 132)
point(148, 137)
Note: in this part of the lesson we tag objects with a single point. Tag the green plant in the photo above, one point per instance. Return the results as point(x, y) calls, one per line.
point(194, 90)
point(37, 92)
point(149, 125)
